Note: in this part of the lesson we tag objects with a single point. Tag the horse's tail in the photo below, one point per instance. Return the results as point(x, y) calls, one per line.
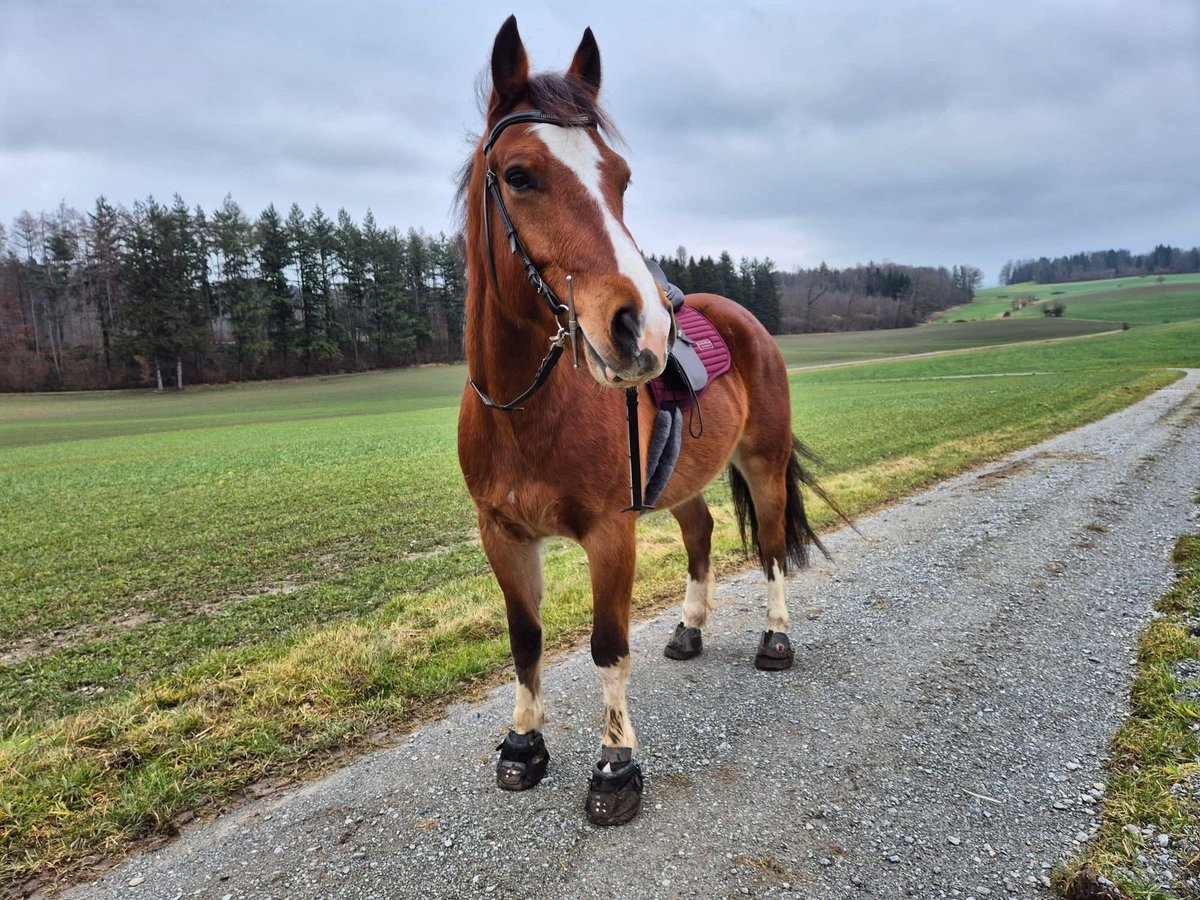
point(798, 532)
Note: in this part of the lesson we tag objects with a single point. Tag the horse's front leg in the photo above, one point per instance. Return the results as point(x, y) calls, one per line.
point(517, 563)
point(615, 791)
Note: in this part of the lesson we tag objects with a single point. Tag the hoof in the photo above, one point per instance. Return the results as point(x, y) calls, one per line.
point(774, 653)
point(523, 761)
point(685, 643)
point(614, 796)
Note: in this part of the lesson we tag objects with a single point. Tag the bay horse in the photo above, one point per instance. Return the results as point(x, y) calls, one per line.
point(551, 457)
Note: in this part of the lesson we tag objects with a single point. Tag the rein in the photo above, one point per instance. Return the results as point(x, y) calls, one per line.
point(566, 333)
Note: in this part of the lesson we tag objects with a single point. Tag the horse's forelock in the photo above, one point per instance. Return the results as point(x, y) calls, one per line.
point(552, 93)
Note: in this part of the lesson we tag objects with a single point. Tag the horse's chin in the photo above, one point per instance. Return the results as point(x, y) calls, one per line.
point(606, 375)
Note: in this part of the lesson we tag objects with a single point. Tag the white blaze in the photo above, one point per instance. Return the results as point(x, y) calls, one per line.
point(575, 149)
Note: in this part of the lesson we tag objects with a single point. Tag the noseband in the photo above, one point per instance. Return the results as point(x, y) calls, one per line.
point(492, 194)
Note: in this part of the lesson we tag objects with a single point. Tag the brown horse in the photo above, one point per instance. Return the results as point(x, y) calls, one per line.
point(560, 464)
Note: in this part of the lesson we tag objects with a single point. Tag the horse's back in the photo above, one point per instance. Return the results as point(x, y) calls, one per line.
point(757, 359)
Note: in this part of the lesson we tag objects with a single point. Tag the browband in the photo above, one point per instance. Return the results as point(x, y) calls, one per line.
point(537, 117)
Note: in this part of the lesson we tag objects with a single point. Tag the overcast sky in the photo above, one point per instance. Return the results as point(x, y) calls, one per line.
point(925, 133)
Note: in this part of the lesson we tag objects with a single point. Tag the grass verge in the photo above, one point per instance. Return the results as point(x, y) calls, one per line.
point(1148, 844)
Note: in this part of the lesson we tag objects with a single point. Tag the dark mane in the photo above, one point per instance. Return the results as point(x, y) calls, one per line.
point(555, 95)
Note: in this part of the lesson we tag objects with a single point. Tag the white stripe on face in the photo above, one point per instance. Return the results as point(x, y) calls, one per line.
point(575, 149)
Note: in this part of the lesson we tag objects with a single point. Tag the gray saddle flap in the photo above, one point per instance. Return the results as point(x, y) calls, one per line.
point(688, 365)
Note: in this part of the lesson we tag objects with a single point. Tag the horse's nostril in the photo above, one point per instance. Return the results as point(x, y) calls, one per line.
point(626, 330)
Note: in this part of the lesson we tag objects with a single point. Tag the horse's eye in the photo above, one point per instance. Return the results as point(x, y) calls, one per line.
point(626, 185)
point(519, 179)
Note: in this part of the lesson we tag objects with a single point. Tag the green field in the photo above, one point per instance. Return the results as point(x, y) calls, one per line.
point(1147, 301)
point(807, 350)
point(201, 589)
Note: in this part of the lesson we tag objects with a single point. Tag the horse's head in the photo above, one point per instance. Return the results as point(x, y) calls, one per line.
point(563, 189)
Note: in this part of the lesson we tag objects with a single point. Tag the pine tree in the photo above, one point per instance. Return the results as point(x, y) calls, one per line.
point(273, 258)
point(240, 297)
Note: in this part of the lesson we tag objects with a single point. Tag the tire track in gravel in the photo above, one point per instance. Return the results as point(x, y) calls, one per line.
point(959, 671)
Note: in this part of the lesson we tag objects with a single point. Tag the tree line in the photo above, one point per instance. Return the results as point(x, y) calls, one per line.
point(1096, 264)
point(167, 294)
point(157, 292)
point(862, 298)
point(753, 283)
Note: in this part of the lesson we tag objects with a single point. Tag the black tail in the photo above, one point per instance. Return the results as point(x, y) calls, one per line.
point(798, 533)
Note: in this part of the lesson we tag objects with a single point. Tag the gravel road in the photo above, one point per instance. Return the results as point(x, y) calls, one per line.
point(959, 670)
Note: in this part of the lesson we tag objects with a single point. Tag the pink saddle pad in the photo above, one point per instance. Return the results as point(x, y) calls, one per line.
point(709, 346)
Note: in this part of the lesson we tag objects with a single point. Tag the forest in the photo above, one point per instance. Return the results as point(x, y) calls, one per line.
point(127, 297)
point(167, 295)
point(860, 298)
point(1097, 264)
point(863, 298)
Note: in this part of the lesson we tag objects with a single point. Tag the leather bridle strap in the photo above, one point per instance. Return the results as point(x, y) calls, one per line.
point(518, 249)
point(492, 194)
point(543, 373)
point(535, 117)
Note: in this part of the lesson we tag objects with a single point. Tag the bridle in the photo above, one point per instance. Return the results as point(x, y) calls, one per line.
point(566, 333)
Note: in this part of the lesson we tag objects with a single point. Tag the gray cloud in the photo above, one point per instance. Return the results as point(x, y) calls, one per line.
point(925, 133)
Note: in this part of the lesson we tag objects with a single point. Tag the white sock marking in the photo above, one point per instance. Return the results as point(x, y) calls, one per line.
point(529, 713)
point(777, 611)
point(618, 731)
point(698, 601)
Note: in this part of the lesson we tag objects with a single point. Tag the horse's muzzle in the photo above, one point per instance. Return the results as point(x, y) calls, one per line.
point(628, 371)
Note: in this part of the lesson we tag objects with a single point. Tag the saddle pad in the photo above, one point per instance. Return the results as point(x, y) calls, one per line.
point(709, 346)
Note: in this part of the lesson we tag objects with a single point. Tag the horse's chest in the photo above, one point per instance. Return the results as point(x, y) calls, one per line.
point(528, 497)
point(533, 509)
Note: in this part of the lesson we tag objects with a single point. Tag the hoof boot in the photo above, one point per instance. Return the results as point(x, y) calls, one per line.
point(523, 761)
point(775, 652)
point(685, 643)
point(614, 796)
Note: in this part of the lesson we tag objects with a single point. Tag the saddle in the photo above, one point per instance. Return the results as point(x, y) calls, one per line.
point(698, 356)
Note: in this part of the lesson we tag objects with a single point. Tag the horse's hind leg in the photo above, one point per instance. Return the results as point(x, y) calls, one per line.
point(766, 488)
point(696, 523)
point(518, 567)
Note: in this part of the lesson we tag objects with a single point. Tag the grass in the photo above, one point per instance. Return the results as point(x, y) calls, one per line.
point(200, 590)
point(802, 350)
point(1154, 765)
point(1085, 299)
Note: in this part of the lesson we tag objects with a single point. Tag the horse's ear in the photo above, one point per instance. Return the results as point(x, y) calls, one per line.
point(510, 69)
point(586, 65)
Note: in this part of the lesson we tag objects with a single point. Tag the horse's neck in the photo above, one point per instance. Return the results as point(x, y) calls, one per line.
point(504, 349)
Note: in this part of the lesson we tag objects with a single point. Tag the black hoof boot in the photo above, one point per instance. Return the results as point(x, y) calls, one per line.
point(614, 796)
point(775, 652)
point(523, 761)
point(685, 643)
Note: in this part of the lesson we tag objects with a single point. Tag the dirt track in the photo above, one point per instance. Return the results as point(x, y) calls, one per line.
point(958, 673)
